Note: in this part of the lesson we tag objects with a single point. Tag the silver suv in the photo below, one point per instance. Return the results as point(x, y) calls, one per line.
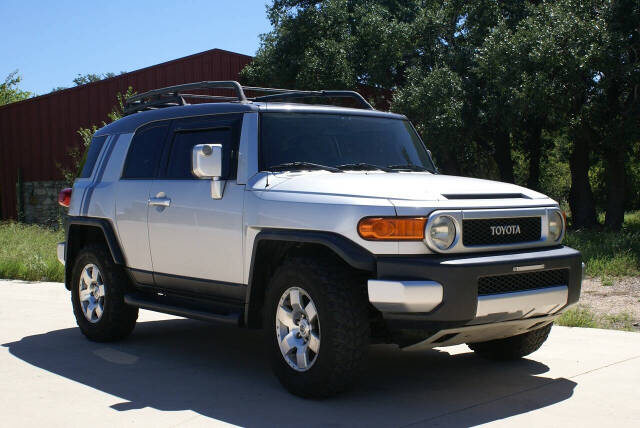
point(328, 227)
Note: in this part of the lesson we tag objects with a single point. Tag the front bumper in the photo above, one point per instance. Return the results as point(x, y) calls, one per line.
point(437, 292)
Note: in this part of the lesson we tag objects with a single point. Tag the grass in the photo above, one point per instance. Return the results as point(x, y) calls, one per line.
point(578, 317)
point(610, 254)
point(28, 252)
point(582, 316)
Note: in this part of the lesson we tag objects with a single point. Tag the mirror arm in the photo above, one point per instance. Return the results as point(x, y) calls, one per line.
point(217, 187)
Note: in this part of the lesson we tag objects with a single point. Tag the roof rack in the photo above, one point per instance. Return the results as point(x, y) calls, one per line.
point(174, 95)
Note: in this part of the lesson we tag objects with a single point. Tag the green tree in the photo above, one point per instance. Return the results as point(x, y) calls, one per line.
point(83, 79)
point(9, 91)
point(619, 104)
point(489, 84)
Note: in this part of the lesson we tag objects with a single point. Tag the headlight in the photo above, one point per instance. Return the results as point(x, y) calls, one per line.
point(556, 225)
point(442, 232)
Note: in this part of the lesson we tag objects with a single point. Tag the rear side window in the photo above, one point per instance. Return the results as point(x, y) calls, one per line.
point(92, 156)
point(145, 152)
point(181, 151)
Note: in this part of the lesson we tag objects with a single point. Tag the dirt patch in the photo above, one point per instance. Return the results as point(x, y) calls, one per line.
point(621, 297)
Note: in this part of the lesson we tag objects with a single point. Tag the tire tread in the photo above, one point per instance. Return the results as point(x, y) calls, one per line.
point(512, 348)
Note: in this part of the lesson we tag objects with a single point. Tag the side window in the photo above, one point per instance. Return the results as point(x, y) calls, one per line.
point(179, 166)
point(144, 152)
point(220, 129)
point(92, 156)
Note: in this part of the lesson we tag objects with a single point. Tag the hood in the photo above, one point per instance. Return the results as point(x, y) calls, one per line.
point(409, 186)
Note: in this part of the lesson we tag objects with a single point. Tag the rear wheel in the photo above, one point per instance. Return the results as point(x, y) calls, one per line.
point(512, 348)
point(316, 326)
point(97, 294)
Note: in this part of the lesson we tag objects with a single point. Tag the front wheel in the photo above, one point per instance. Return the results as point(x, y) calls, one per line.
point(316, 326)
point(512, 348)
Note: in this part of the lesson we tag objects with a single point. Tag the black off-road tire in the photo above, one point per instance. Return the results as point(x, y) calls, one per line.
point(512, 348)
point(118, 319)
point(341, 301)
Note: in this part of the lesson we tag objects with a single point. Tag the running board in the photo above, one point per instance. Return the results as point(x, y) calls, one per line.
point(152, 305)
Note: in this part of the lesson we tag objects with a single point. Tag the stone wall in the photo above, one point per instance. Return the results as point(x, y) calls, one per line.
point(40, 202)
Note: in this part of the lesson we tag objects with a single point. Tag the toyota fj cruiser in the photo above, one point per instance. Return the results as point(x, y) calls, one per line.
point(328, 227)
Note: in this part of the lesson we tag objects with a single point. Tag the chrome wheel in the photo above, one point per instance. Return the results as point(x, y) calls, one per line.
point(91, 293)
point(298, 329)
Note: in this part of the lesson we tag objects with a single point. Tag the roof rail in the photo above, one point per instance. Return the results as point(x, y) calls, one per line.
point(174, 95)
point(284, 94)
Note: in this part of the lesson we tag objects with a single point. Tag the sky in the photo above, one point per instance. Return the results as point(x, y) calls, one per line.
point(51, 42)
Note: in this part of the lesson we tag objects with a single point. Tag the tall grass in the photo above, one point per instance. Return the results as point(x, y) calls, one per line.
point(29, 252)
point(608, 253)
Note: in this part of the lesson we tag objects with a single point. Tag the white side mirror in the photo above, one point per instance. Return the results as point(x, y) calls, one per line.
point(206, 160)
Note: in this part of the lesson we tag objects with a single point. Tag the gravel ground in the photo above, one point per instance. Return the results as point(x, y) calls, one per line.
point(623, 296)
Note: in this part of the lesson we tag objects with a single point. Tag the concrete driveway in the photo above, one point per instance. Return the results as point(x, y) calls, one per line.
point(177, 372)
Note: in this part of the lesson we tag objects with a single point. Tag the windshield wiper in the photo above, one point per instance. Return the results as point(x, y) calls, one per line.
point(363, 166)
point(301, 166)
point(409, 167)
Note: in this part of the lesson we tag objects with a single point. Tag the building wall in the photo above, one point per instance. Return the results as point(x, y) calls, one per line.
point(37, 134)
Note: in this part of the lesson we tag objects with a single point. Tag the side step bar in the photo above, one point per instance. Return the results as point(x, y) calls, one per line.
point(145, 303)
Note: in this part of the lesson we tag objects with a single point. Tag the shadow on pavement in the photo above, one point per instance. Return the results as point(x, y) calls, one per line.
point(222, 372)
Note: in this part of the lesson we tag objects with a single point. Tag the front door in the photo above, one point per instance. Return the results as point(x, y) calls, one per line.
point(195, 240)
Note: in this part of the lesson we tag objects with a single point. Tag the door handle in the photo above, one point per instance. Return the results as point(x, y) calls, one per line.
point(159, 202)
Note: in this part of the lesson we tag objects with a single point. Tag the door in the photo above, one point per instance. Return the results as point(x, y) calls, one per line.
point(132, 195)
point(196, 241)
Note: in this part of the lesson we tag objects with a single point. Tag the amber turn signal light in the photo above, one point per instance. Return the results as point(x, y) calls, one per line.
point(392, 228)
point(64, 197)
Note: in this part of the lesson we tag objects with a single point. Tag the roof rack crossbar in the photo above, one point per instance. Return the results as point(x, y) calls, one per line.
point(174, 95)
point(154, 103)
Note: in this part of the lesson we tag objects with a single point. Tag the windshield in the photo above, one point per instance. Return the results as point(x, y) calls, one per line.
point(297, 140)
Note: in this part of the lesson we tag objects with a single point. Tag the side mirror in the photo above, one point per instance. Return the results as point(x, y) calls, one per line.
point(206, 163)
point(206, 160)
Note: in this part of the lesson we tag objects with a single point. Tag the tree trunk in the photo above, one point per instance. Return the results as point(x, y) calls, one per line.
point(503, 157)
point(583, 210)
point(534, 144)
point(615, 169)
point(616, 178)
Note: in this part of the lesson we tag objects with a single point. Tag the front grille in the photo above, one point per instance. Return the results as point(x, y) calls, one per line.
point(497, 231)
point(522, 281)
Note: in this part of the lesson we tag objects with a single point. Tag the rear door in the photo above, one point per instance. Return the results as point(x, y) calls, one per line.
point(196, 241)
point(132, 196)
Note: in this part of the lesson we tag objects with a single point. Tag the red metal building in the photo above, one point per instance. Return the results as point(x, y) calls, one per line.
point(37, 133)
